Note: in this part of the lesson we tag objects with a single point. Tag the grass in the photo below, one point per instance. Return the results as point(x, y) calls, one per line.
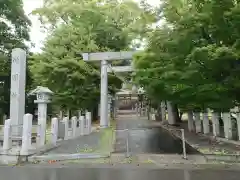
point(107, 138)
point(106, 141)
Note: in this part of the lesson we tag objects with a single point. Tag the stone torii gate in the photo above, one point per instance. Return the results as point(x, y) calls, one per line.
point(104, 57)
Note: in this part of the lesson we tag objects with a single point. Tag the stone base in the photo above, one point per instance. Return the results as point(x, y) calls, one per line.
point(12, 159)
point(13, 155)
point(102, 127)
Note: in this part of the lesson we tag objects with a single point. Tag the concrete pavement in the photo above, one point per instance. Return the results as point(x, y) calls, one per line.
point(118, 173)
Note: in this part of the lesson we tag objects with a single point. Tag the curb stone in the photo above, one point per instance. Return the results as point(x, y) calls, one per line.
point(233, 158)
point(62, 157)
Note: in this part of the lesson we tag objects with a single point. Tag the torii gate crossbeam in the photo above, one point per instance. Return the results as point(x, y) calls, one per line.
point(104, 57)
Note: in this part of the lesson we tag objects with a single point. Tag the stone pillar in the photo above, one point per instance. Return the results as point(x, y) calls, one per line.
point(198, 123)
point(60, 114)
point(190, 121)
point(171, 119)
point(54, 131)
point(238, 125)
point(38, 138)
point(138, 109)
point(153, 116)
point(78, 127)
point(216, 125)
point(115, 107)
point(27, 134)
point(89, 122)
point(74, 126)
point(163, 110)
point(227, 125)
point(82, 119)
point(7, 140)
point(17, 91)
point(68, 113)
point(104, 95)
point(109, 109)
point(65, 121)
point(42, 121)
point(206, 128)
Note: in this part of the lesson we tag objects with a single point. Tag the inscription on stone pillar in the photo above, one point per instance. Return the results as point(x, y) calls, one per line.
point(17, 92)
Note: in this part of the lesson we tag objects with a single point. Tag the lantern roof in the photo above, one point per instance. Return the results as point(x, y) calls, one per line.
point(40, 90)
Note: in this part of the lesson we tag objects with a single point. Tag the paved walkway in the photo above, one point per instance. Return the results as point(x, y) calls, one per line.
point(142, 139)
point(87, 144)
point(101, 172)
point(148, 142)
point(145, 138)
point(137, 136)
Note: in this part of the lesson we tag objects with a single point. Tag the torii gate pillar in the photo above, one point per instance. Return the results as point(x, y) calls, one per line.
point(104, 120)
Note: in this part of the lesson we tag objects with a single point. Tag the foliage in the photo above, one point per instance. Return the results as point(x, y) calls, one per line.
point(14, 27)
point(77, 26)
point(193, 58)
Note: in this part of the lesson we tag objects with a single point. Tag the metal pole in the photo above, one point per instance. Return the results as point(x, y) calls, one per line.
point(184, 144)
point(104, 95)
point(127, 143)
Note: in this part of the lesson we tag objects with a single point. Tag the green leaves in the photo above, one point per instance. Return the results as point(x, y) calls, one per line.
point(14, 25)
point(77, 26)
point(14, 28)
point(196, 55)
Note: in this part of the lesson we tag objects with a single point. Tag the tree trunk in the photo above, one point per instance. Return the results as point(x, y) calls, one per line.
point(171, 114)
point(159, 113)
point(191, 127)
point(176, 113)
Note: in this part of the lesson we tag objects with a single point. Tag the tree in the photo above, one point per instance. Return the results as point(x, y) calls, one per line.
point(74, 27)
point(14, 27)
point(193, 60)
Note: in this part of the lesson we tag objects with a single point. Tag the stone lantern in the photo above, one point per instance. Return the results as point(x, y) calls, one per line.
point(134, 89)
point(43, 95)
point(124, 86)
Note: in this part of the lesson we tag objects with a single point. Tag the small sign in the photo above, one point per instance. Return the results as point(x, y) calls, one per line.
point(124, 55)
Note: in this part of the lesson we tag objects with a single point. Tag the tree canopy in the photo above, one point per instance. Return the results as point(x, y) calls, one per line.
point(14, 28)
point(192, 59)
point(77, 26)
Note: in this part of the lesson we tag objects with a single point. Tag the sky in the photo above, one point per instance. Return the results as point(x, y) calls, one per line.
point(37, 36)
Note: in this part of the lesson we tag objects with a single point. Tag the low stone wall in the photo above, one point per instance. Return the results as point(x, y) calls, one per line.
point(18, 147)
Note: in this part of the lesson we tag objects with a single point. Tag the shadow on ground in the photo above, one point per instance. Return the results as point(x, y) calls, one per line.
point(150, 140)
point(162, 141)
